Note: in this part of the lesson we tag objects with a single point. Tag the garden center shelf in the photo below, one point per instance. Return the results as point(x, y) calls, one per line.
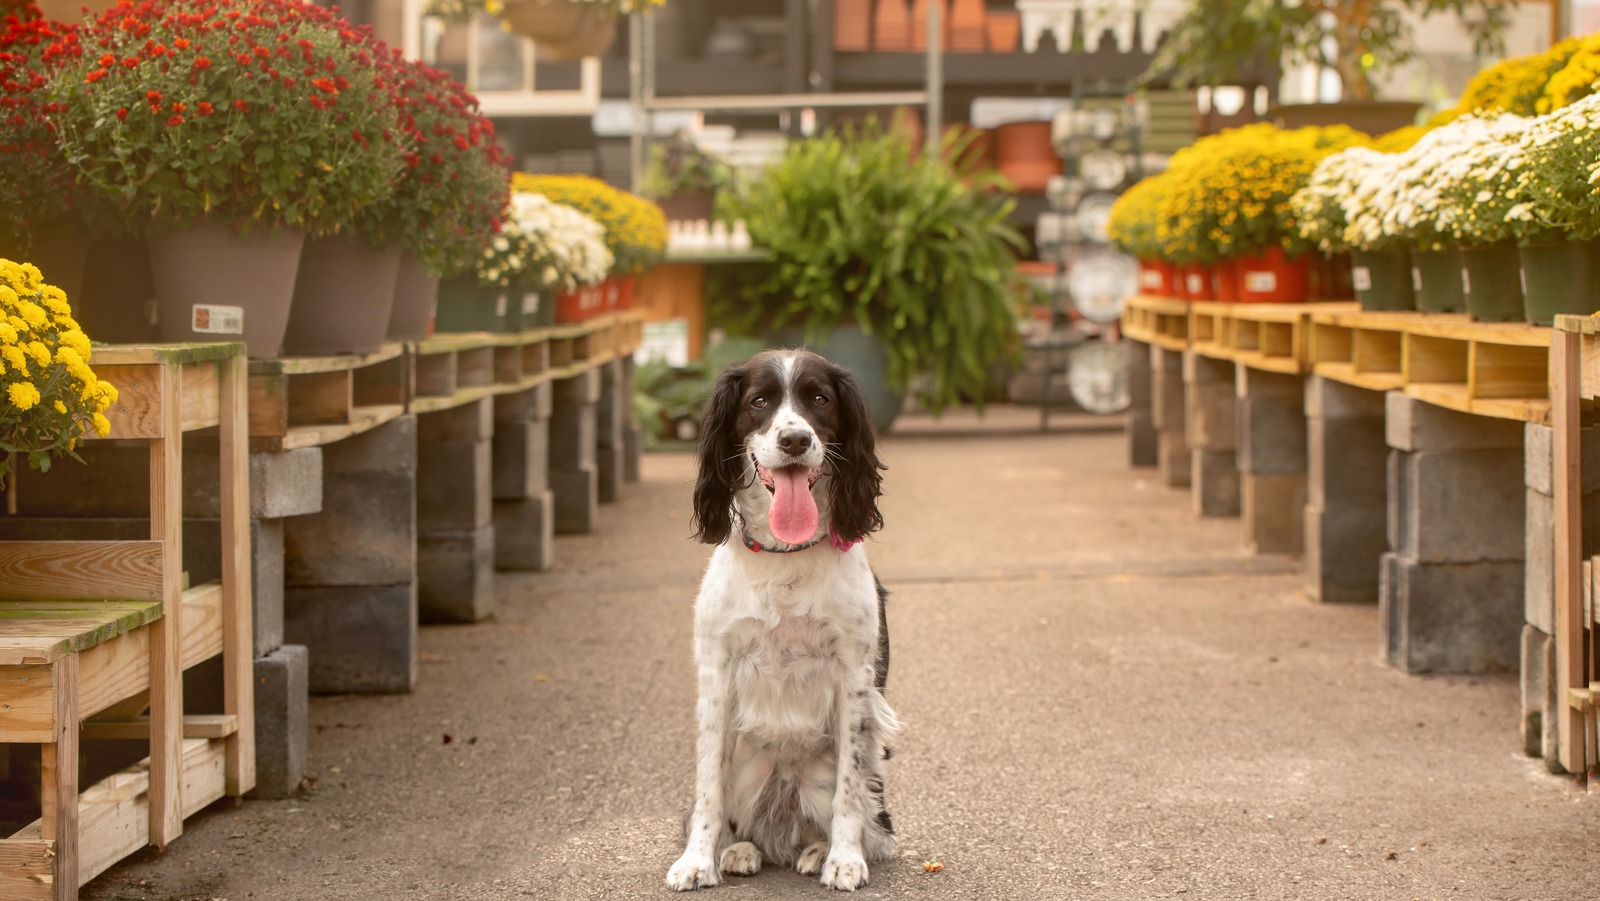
point(1268, 336)
point(1161, 321)
point(298, 402)
point(104, 629)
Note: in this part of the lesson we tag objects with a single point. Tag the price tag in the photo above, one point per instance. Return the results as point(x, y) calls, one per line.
point(530, 303)
point(1195, 284)
point(1361, 278)
point(1466, 281)
point(211, 319)
point(500, 305)
point(1416, 279)
point(1261, 282)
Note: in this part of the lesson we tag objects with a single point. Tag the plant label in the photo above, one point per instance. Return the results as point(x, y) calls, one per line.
point(1416, 279)
point(213, 319)
point(1195, 284)
point(500, 306)
point(1466, 281)
point(1522, 276)
point(530, 303)
point(1361, 278)
point(1261, 282)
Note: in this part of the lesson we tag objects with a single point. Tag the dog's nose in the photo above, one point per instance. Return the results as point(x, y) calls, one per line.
point(794, 443)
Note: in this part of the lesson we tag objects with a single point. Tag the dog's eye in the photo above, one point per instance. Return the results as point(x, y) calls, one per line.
point(758, 402)
point(820, 400)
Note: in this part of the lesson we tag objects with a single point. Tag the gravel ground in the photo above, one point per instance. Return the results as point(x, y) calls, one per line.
point(1104, 698)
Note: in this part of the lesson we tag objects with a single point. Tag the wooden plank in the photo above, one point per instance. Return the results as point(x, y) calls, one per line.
point(1430, 359)
point(33, 632)
point(336, 363)
point(474, 367)
point(1568, 487)
point(27, 869)
point(1331, 343)
point(562, 351)
point(1509, 371)
point(27, 704)
point(195, 725)
point(320, 398)
point(1278, 339)
point(204, 618)
point(536, 357)
point(1461, 328)
point(381, 384)
point(435, 375)
point(362, 419)
point(199, 403)
point(1375, 351)
point(269, 404)
point(79, 569)
point(507, 365)
point(1346, 373)
point(114, 671)
point(137, 412)
point(166, 673)
point(58, 780)
point(234, 598)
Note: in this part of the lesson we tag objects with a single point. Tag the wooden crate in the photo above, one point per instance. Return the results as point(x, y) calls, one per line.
point(300, 402)
point(104, 629)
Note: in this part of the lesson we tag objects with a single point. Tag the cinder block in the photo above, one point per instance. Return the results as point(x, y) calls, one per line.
point(534, 403)
point(633, 453)
point(1328, 399)
point(454, 489)
point(362, 638)
point(1452, 617)
point(577, 500)
point(1214, 482)
point(366, 534)
point(1415, 425)
point(1140, 381)
point(1273, 511)
point(1172, 459)
point(524, 533)
point(583, 389)
point(1143, 444)
point(1459, 506)
point(1554, 699)
point(282, 717)
point(573, 437)
point(1210, 406)
point(455, 576)
point(1539, 587)
point(1273, 386)
point(286, 484)
point(1535, 643)
point(1272, 435)
point(266, 584)
point(1343, 551)
point(609, 474)
point(391, 447)
point(1540, 451)
point(469, 422)
point(1166, 400)
point(1346, 462)
point(520, 459)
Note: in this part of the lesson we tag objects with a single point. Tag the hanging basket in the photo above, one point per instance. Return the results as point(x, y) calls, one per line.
point(563, 29)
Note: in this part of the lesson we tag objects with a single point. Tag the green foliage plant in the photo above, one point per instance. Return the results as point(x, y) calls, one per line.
point(863, 230)
point(677, 165)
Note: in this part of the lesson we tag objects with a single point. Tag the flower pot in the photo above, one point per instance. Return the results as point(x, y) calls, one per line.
point(1557, 277)
point(1025, 155)
point(1491, 278)
point(919, 24)
point(467, 306)
point(416, 296)
point(1198, 281)
point(864, 355)
point(1371, 116)
point(1156, 278)
point(563, 29)
point(214, 285)
point(1225, 281)
point(891, 26)
point(1436, 279)
point(1272, 277)
point(61, 251)
point(530, 309)
point(1330, 278)
point(117, 302)
point(1382, 279)
point(966, 26)
point(342, 298)
point(1003, 28)
point(852, 25)
point(688, 206)
point(586, 302)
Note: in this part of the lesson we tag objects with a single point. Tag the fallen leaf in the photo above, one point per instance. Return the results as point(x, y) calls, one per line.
point(932, 866)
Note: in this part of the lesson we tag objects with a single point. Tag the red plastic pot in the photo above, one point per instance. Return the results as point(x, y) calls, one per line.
point(1197, 279)
point(1225, 278)
point(1157, 278)
point(1272, 277)
point(585, 303)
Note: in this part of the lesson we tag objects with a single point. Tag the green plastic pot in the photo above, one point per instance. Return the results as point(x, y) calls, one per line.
point(1491, 277)
point(1382, 279)
point(1557, 277)
point(466, 306)
point(1436, 281)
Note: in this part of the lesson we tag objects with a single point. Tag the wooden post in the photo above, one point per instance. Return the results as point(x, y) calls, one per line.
point(59, 785)
point(237, 643)
point(166, 673)
point(1565, 375)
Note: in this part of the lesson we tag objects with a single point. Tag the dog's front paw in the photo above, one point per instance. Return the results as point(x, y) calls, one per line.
point(742, 859)
point(844, 873)
point(810, 863)
point(692, 871)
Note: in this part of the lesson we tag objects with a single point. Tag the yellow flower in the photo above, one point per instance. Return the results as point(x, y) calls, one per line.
point(18, 323)
point(76, 341)
point(108, 394)
point(16, 358)
point(33, 314)
point(75, 364)
point(23, 395)
point(66, 323)
point(102, 425)
point(32, 278)
point(60, 407)
point(55, 300)
point(38, 352)
point(7, 333)
point(8, 297)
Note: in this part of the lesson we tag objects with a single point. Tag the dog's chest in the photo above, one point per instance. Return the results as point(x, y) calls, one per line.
point(785, 680)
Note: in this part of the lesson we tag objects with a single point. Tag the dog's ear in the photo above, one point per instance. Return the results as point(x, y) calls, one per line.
point(855, 483)
point(721, 458)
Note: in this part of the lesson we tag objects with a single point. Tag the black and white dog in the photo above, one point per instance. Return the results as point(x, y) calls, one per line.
point(790, 637)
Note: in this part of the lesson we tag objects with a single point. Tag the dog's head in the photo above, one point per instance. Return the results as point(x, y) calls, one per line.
point(787, 438)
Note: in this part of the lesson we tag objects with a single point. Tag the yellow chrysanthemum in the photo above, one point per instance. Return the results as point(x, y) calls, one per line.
point(18, 323)
point(32, 278)
point(102, 425)
point(8, 297)
point(14, 356)
point(7, 333)
point(75, 364)
point(39, 353)
point(33, 314)
point(77, 342)
point(55, 300)
point(11, 274)
point(65, 322)
point(24, 396)
point(60, 407)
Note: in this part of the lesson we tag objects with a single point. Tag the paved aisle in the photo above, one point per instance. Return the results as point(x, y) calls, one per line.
point(1104, 700)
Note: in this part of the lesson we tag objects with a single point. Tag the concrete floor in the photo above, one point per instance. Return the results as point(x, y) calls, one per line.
point(1104, 699)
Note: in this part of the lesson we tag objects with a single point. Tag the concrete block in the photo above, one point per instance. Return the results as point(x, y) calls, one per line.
point(1140, 381)
point(573, 437)
point(1278, 387)
point(609, 465)
point(1214, 482)
point(1397, 491)
point(1415, 425)
point(469, 422)
point(362, 638)
point(1343, 551)
point(1540, 458)
point(577, 500)
point(525, 533)
point(1539, 585)
point(1166, 399)
point(391, 447)
point(520, 459)
point(1328, 399)
point(286, 484)
point(1452, 617)
point(1172, 459)
point(535, 403)
point(1272, 435)
point(454, 485)
point(455, 576)
point(1535, 662)
point(282, 717)
point(1143, 443)
point(1459, 506)
point(1554, 699)
point(1346, 462)
point(266, 584)
point(583, 389)
point(1210, 408)
point(633, 453)
point(366, 534)
point(1273, 511)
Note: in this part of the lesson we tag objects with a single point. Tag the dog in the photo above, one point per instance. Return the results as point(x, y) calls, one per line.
point(791, 637)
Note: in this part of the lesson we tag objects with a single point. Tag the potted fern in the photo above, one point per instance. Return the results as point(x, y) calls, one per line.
point(885, 260)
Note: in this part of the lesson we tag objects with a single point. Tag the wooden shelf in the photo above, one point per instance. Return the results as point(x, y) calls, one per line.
point(298, 402)
point(1048, 69)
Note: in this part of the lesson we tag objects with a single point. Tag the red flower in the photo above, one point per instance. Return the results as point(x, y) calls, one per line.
point(175, 120)
point(241, 105)
point(201, 62)
point(122, 113)
point(181, 43)
point(326, 85)
point(204, 107)
point(106, 60)
point(94, 76)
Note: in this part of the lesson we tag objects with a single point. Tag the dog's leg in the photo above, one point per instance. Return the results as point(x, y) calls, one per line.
point(845, 868)
point(697, 868)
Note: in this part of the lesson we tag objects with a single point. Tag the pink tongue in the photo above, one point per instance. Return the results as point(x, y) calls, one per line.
point(793, 517)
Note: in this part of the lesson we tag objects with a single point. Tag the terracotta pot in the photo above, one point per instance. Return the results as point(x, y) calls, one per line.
point(967, 18)
point(891, 26)
point(1272, 277)
point(852, 25)
point(1225, 281)
point(1156, 278)
point(919, 24)
point(1025, 156)
point(1004, 30)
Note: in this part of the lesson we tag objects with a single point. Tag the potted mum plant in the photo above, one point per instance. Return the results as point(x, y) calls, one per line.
point(1132, 225)
point(885, 260)
point(636, 233)
point(1477, 189)
point(225, 133)
point(1560, 218)
point(1380, 262)
point(685, 180)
